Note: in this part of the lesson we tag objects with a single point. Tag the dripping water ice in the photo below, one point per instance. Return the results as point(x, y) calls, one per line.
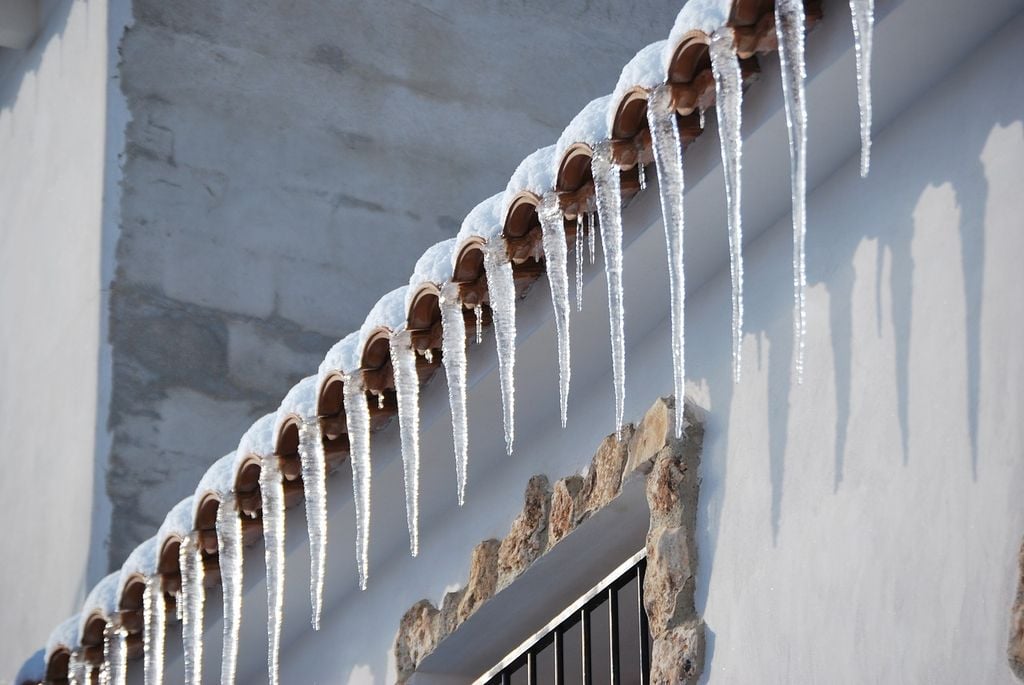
point(407, 388)
point(155, 618)
point(501, 292)
point(115, 655)
point(578, 249)
point(229, 549)
point(729, 94)
point(553, 236)
point(609, 211)
point(591, 235)
point(357, 414)
point(789, 26)
point(668, 158)
point(478, 313)
point(453, 356)
point(272, 495)
point(313, 464)
point(190, 561)
point(641, 175)
point(863, 15)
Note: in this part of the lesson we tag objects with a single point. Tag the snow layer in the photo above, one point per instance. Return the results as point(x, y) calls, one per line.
point(434, 266)
point(64, 635)
point(645, 70)
point(177, 522)
point(300, 402)
point(33, 670)
point(343, 356)
point(103, 597)
point(259, 439)
point(142, 560)
point(697, 15)
point(589, 126)
point(389, 312)
point(536, 174)
point(484, 221)
point(219, 479)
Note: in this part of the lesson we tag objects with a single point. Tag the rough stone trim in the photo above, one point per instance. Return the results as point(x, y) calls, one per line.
point(1015, 648)
point(550, 513)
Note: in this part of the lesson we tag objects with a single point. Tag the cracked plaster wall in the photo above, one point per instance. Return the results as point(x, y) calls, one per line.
point(285, 165)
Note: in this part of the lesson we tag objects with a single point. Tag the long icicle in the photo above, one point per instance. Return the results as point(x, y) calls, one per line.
point(863, 17)
point(190, 562)
point(229, 550)
point(578, 249)
point(607, 186)
point(357, 414)
point(154, 608)
point(729, 107)
point(75, 668)
point(556, 263)
point(789, 27)
point(115, 654)
point(453, 356)
point(272, 495)
point(501, 291)
point(313, 463)
point(668, 158)
point(407, 389)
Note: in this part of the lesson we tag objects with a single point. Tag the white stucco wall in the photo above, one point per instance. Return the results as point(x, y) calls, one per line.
point(860, 527)
point(54, 154)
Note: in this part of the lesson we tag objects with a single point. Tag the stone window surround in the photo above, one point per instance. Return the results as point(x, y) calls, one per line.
point(670, 469)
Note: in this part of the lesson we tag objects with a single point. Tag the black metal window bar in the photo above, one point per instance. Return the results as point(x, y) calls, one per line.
point(603, 639)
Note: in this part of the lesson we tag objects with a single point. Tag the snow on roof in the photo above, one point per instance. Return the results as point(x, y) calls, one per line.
point(300, 401)
point(259, 439)
point(434, 266)
point(33, 670)
point(343, 357)
point(483, 221)
point(697, 15)
point(535, 174)
point(178, 521)
point(589, 126)
point(389, 312)
point(142, 560)
point(103, 598)
point(644, 70)
point(218, 479)
point(64, 635)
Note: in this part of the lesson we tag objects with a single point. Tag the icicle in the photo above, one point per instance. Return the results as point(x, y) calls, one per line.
point(789, 26)
point(453, 356)
point(729, 100)
point(668, 157)
point(863, 13)
point(313, 463)
point(357, 413)
point(501, 291)
point(609, 211)
point(115, 655)
point(190, 562)
point(478, 312)
point(591, 236)
point(407, 386)
point(89, 670)
point(641, 174)
point(553, 237)
point(579, 264)
point(702, 120)
point(229, 549)
point(75, 668)
point(179, 606)
point(272, 495)
point(428, 354)
point(155, 609)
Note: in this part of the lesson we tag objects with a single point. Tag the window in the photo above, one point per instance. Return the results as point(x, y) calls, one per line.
point(601, 639)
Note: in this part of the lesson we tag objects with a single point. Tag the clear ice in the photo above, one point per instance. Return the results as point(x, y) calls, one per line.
point(407, 387)
point(556, 259)
point(453, 356)
point(115, 655)
point(478, 312)
point(607, 187)
point(729, 107)
point(863, 14)
point(578, 249)
point(668, 158)
point(789, 26)
point(229, 550)
point(357, 414)
point(154, 607)
point(190, 563)
point(313, 463)
point(272, 495)
point(501, 291)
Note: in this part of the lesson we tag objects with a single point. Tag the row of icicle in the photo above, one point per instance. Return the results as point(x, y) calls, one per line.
point(668, 158)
